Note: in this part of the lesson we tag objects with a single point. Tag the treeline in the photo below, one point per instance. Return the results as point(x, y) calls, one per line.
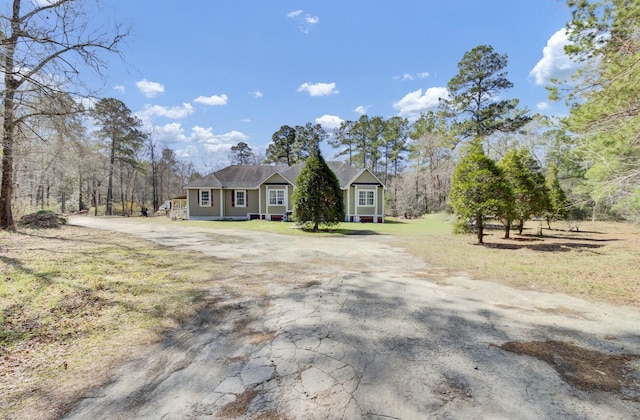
point(116, 169)
point(52, 159)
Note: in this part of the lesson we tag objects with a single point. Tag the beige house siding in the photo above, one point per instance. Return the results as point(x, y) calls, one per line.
point(274, 183)
point(195, 210)
point(365, 183)
point(363, 196)
point(366, 176)
point(233, 211)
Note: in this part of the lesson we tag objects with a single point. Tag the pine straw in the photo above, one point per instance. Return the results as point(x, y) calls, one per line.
point(43, 219)
point(587, 370)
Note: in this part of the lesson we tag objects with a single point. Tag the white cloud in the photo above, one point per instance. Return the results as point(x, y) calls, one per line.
point(174, 132)
point(319, 89)
point(409, 76)
point(414, 103)
point(311, 20)
point(256, 94)
point(554, 62)
point(305, 21)
point(201, 143)
point(149, 89)
point(541, 106)
point(169, 133)
point(361, 109)
point(329, 122)
point(120, 88)
point(175, 112)
point(212, 100)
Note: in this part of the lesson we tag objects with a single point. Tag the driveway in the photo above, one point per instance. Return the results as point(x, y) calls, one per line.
point(355, 327)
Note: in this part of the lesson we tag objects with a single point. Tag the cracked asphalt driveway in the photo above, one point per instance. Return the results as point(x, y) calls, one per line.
point(355, 327)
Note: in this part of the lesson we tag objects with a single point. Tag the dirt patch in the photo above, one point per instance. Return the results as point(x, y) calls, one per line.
point(309, 284)
point(587, 370)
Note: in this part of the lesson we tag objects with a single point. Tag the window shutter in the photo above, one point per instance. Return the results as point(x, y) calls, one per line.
point(198, 197)
point(233, 198)
point(246, 198)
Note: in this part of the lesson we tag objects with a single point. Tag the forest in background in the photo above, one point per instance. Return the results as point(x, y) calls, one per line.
point(61, 155)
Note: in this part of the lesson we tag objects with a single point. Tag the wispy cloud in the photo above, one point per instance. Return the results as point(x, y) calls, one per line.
point(120, 88)
point(256, 94)
point(174, 113)
point(541, 106)
point(319, 89)
point(410, 76)
point(149, 89)
point(361, 109)
point(305, 20)
point(212, 100)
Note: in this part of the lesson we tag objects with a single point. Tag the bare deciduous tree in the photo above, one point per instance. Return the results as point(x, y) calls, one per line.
point(44, 47)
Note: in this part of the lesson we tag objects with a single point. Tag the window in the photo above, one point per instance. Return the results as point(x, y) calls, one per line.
point(205, 198)
point(366, 198)
point(241, 198)
point(276, 197)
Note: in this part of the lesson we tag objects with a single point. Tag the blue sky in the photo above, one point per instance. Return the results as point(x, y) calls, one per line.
point(205, 75)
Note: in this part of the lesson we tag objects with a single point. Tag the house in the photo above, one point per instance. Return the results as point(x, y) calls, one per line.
point(246, 192)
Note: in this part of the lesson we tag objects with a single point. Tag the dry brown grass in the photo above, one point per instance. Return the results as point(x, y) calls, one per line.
point(585, 369)
point(601, 261)
point(75, 302)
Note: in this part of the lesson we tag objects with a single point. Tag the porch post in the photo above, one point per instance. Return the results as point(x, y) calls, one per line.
point(355, 205)
point(382, 189)
point(221, 203)
point(348, 203)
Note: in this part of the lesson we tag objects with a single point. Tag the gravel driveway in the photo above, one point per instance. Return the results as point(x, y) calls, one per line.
point(354, 327)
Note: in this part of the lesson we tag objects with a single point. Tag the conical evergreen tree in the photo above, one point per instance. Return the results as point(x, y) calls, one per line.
point(478, 189)
point(558, 203)
point(317, 198)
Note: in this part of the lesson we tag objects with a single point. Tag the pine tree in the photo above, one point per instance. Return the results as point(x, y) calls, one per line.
point(317, 198)
point(529, 195)
point(478, 189)
point(557, 205)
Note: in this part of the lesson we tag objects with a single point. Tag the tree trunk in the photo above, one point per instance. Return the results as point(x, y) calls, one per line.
point(8, 123)
point(507, 229)
point(520, 226)
point(480, 228)
point(112, 161)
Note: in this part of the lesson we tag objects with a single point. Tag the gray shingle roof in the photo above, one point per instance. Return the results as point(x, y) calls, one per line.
point(251, 176)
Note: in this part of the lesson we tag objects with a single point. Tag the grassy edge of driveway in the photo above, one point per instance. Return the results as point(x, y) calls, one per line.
point(66, 294)
point(600, 261)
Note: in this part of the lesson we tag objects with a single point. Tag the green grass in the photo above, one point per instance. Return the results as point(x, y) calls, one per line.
point(392, 226)
point(599, 262)
point(66, 295)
